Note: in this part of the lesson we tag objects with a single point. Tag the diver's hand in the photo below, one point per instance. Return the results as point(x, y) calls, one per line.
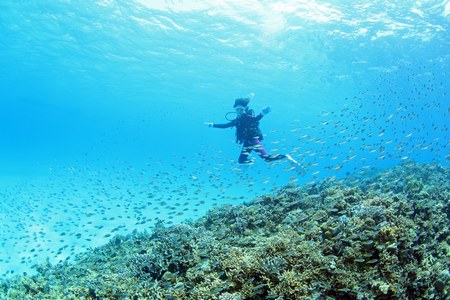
point(209, 124)
point(266, 110)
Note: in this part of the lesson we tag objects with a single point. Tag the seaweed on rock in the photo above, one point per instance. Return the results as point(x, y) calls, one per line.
point(386, 238)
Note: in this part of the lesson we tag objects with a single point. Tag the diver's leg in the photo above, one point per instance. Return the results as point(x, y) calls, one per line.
point(245, 152)
point(259, 149)
point(275, 157)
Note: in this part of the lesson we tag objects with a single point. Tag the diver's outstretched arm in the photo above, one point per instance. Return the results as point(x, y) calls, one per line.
point(227, 125)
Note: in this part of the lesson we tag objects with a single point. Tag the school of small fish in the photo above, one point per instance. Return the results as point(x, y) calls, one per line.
point(78, 207)
point(75, 208)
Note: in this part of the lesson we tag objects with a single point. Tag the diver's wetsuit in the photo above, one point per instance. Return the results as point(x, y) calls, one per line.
point(249, 134)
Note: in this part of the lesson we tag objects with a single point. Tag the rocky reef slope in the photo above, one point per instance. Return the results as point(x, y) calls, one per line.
point(383, 237)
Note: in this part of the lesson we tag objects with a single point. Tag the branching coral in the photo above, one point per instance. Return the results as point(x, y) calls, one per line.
point(387, 238)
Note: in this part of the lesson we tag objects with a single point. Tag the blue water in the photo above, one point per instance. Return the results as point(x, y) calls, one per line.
point(96, 95)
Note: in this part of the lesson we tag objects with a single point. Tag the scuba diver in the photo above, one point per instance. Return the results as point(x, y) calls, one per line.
point(249, 135)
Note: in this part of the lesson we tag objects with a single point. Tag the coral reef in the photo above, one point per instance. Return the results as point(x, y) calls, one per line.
point(383, 237)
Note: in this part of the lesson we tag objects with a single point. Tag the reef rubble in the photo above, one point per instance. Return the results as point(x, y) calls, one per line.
point(381, 237)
